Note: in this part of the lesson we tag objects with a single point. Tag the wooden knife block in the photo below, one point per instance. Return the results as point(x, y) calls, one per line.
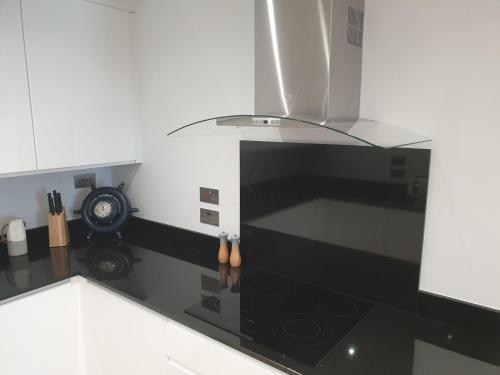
point(58, 230)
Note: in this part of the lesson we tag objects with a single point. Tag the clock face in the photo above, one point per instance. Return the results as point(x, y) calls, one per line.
point(102, 209)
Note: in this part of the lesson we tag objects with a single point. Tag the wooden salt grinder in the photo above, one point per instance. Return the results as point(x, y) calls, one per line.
point(223, 255)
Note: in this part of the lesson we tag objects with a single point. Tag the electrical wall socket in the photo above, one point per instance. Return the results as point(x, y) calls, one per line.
point(84, 180)
point(209, 217)
point(208, 195)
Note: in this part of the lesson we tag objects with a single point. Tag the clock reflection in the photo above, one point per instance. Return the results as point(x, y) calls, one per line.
point(112, 262)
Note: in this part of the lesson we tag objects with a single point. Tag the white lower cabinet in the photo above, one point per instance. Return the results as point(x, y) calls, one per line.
point(120, 336)
point(200, 355)
point(80, 328)
point(41, 333)
point(123, 337)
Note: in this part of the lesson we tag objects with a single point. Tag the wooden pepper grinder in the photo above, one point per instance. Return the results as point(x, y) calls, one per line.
point(223, 250)
point(235, 259)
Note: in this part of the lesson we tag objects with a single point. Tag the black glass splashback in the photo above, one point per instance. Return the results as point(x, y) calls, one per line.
point(346, 217)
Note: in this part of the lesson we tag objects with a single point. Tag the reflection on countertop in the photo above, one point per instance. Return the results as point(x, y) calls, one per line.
point(184, 283)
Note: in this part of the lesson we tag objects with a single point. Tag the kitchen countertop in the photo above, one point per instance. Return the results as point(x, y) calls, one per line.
point(172, 279)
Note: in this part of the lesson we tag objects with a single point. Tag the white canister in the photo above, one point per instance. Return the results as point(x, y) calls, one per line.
point(16, 238)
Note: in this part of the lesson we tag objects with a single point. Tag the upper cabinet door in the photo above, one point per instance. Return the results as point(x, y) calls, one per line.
point(80, 70)
point(17, 151)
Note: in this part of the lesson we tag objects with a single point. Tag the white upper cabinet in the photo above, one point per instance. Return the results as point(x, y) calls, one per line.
point(17, 151)
point(79, 57)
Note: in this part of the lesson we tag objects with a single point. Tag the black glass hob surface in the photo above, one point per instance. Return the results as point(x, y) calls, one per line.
point(295, 319)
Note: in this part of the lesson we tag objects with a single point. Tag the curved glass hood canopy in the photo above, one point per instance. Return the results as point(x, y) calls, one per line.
point(368, 132)
point(307, 75)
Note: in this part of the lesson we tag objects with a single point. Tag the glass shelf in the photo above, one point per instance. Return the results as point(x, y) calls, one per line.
point(368, 132)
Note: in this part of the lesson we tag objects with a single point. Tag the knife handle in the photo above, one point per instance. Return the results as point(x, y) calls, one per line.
point(58, 203)
point(51, 204)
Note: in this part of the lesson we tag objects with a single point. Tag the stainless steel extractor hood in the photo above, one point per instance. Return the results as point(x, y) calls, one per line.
point(308, 56)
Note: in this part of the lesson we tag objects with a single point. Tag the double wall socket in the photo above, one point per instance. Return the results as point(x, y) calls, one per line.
point(84, 180)
point(209, 217)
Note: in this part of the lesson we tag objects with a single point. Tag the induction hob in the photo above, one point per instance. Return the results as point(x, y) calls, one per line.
point(297, 320)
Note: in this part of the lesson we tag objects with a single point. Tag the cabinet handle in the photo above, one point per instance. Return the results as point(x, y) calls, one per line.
point(181, 367)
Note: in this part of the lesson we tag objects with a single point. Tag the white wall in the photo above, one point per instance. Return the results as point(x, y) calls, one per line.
point(434, 67)
point(26, 196)
point(195, 59)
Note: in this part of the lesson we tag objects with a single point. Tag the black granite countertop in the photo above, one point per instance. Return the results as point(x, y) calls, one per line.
point(177, 280)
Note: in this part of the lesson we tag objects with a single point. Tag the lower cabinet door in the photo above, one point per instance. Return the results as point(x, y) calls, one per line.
point(40, 333)
point(196, 354)
point(120, 336)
